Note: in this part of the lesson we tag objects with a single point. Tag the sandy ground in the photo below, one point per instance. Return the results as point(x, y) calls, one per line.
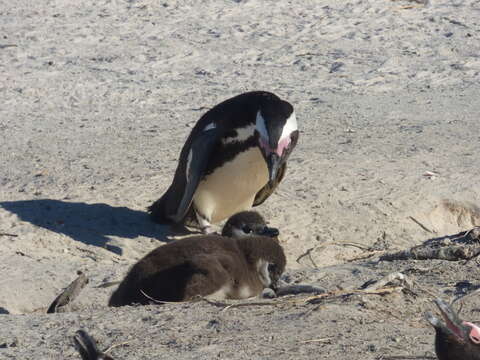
point(97, 98)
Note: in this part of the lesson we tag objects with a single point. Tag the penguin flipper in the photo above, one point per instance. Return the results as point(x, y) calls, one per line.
point(175, 203)
point(87, 347)
point(197, 161)
point(270, 187)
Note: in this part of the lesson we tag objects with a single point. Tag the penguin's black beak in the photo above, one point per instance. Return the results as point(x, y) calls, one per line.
point(273, 160)
point(270, 231)
point(273, 164)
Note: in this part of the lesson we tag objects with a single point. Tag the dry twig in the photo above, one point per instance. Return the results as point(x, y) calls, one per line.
point(8, 234)
point(257, 303)
point(308, 253)
point(322, 340)
point(387, 290)
point(405, 357)
point(111, 347)
point(420, 224)
point(366, 255)
point(161, 301)
point(225, 305)
point(464, 297)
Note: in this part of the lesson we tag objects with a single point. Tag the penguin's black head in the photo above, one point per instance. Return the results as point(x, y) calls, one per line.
point(248, 223)
point(455, 339)
point(276, 128)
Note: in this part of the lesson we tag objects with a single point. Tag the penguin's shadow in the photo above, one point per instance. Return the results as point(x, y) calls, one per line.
point(90, 224)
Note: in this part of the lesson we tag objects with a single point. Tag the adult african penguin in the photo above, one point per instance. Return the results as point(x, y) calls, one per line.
point(233, 159)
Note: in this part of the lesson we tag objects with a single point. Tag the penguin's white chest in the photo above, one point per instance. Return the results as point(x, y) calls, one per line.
point(232, 187)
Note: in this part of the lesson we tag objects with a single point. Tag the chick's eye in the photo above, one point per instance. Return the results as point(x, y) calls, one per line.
point(247, 230)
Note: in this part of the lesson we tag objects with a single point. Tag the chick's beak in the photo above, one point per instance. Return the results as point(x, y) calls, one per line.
point(270, 231)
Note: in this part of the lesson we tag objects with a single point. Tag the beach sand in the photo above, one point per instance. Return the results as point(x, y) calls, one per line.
point(98, 97)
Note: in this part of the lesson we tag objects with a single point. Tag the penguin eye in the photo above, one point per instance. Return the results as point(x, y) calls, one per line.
point(246, 229)
point(272, 268)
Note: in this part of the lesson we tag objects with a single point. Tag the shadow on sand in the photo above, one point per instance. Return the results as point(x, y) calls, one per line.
point(88, 223)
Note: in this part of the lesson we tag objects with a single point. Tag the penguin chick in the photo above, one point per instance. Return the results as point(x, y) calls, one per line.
point(211, 266)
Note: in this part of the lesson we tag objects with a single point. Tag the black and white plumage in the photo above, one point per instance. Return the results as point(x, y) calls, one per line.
point(233, 159)
point(212, 266)
point(455, 339)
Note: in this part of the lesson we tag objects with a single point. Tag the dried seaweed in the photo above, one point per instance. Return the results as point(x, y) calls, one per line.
point(462, 246)
point(69, 294)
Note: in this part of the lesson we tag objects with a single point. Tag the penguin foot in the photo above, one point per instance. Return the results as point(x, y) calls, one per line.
point(204, 223)
point(207, 230)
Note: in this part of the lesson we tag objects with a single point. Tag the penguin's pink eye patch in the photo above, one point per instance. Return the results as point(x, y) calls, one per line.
point(282, 145)
point(474, 332)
